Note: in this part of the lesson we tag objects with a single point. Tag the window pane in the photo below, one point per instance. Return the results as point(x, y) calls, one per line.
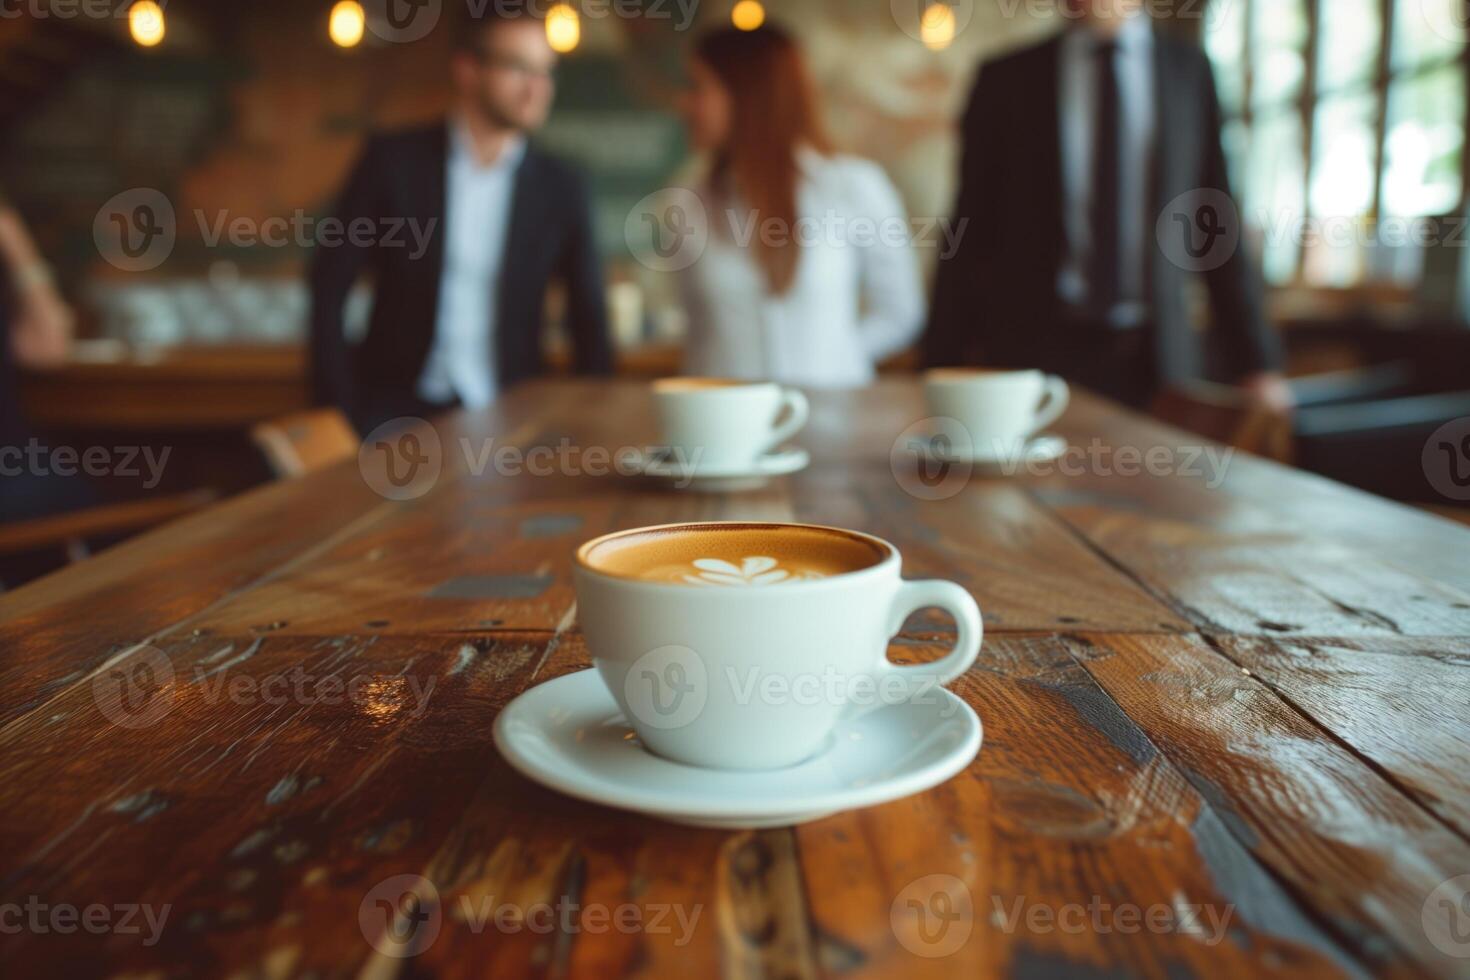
point(1342, 160)
point(1225, 44)
point(1272, 190)
point(1422, 176)
point(1342, 189)
point(1352, 32)
point(1427, 30)
point(1279, 36)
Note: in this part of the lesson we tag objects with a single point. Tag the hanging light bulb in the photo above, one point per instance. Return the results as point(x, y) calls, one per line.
point(748, 15)
point(346, 23)
point(145, 23)
point(937, 26)
point(563, 28)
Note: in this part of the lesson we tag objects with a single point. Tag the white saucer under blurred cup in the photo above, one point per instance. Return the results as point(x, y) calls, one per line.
point(1001, 410)
point(725, 424)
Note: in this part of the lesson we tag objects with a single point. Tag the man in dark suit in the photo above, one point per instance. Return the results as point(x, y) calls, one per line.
point(469, 223)
point(1073, 150)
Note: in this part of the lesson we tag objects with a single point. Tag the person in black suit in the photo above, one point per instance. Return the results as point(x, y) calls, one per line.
point(470, 223)
point(1072, 150)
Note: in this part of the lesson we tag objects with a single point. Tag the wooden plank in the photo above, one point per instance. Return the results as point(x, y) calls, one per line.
point(470, 553)
point(265, 823)
point(114, 519)
point(1308, 504)
point(1403, 704)
point(1130, 766)
point(57, 629)
point(66, 624)
point(1026, 569)
point(1326, 823)
point(1070, 823)
point(1255, 575)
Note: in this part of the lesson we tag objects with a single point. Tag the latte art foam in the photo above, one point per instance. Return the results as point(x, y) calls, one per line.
point(732, 555)
point(752, 571)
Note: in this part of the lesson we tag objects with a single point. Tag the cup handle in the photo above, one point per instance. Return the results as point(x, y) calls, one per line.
point(913, 596)
point(797, 410)
point(1053, 402)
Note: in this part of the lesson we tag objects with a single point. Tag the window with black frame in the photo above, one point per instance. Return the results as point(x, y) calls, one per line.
point(1345, 129)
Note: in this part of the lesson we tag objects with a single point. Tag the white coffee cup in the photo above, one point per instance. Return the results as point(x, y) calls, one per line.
point(724, 424)
point(1000, 410)
point(749, 660)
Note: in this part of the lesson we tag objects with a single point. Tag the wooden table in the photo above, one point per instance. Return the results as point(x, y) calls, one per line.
point(1225, 727)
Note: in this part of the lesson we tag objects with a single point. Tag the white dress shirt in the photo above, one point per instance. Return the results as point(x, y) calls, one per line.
point(1079, 97)
point(856, 296)
point(477, 206)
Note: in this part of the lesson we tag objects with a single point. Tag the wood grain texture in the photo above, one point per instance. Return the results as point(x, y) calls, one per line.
point(264, 819)
point(1402, 704)
point(1326, 822)
point(1224, 728)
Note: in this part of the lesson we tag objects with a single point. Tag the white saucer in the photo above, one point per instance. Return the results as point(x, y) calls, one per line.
point(1038, 449)
point(569, 734)
point(659, 464)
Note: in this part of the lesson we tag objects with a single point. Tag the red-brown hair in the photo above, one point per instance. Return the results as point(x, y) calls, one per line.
point(773, 114)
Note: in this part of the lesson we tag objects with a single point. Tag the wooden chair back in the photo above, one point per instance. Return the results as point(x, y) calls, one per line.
point(305, 442)
point(1226, 415)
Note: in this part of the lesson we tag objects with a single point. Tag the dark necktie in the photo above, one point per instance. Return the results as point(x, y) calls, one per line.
point(1103, 270)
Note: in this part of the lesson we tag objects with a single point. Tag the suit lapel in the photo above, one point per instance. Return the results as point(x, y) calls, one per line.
point(524, 215)
point(1051, 174)
point(433, 205)
point(517, 274)
point(1171, 123)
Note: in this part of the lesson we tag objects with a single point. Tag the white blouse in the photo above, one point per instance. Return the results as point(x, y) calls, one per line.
point(856, 296)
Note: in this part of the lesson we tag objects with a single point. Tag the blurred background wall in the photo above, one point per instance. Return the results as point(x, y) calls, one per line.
point(251, 111)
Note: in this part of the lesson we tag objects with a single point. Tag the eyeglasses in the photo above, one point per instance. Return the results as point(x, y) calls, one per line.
point(510, 63)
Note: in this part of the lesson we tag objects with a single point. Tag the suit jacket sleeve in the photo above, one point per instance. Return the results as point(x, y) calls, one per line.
point(1250, 343)
point(581, 271)
point(335, 268)
point(957, 315)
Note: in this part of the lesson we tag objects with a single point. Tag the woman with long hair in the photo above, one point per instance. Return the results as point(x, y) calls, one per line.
point(808, 277)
